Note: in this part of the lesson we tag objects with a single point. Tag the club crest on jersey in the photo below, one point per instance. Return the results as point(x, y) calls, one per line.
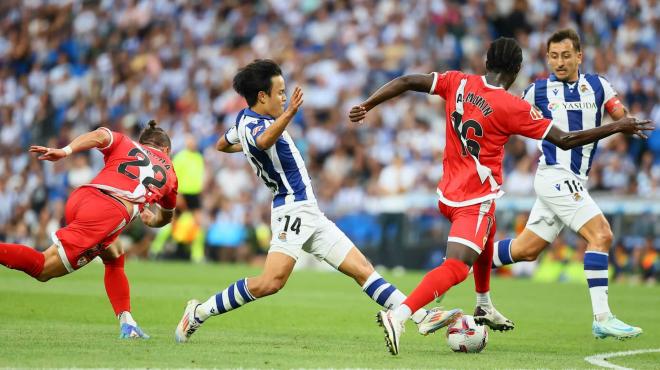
point(82, 261)
point(256, 130)
point(577, 197)
point(535, 113)
point(553, 107)
point(282, 236)
point(583, 88)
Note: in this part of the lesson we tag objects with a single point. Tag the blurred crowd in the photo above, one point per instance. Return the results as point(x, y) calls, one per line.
point(68, 66)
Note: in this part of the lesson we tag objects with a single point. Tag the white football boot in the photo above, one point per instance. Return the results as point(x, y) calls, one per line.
point(393, 329)
point(188, 324)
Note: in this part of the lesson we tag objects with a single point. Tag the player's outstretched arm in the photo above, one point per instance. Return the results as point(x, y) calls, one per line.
point(158, 219)
point(627, 125)
point(274, 131)
point(394, 88)
point(99, 138)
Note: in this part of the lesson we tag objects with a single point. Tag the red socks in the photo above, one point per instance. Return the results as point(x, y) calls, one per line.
point(482, 268)
point(23, 258)
point(116, 285)
point(436, 282)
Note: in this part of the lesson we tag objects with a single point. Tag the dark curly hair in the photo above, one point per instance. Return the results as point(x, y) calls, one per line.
point(504, 56)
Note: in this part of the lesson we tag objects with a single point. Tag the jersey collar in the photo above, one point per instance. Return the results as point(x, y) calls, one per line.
point(553, 78)
point(483, 78)
point(154, 148)
point(251, 113)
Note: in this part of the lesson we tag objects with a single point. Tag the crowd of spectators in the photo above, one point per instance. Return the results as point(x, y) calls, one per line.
point(68, 66)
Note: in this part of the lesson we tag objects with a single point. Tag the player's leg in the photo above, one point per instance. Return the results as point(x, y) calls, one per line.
point(274, 276)
point(575, 208)
point(329, 243)
point(291, 227)
point(598, 234)
point(118, 290)
point(433, 285)
point(467, 237)
point(485, 312)
point(541, 229)
point(41, 266)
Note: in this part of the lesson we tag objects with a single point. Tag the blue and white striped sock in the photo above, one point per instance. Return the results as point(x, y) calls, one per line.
point(236, 295)
point(387, 295)
point(595, 268)
point(502, 255)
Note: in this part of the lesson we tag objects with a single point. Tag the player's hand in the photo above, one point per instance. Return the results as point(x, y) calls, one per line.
point(48, 154)
point(148, 217)
point(296, 101)
point(357, 114)
point(633, 126)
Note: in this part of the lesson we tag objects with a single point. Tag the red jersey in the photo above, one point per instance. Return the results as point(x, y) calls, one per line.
point(138, 173)
point(480, 118)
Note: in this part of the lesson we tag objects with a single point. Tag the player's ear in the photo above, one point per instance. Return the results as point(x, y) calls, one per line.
point(261, 97)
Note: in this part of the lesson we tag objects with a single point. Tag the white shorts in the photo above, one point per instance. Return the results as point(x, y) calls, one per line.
point(303, 227)
point(562, 199)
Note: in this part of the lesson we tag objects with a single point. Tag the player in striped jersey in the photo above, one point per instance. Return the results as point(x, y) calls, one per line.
point(297, 223)
point(574, 101)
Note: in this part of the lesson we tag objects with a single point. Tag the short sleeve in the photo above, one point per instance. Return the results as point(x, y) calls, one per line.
point(527, 120)
point(232, 135)
point(254, 130)
point(115, 139)
point(441, 83)
point(528, 94)
point(608, 90)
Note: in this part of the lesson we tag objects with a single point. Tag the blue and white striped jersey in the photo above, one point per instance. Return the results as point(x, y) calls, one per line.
point(572, 107)
point(281, 167)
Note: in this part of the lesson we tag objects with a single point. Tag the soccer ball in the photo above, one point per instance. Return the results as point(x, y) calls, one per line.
point(464, 335)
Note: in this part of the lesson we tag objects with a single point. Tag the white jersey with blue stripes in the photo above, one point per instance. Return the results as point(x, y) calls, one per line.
point(280, 167)
point(575, 106)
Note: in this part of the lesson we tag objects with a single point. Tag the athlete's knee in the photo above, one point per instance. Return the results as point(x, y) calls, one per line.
point(114, 262)
point(43, 277)
point(602, 239)
point(458, 269)
point(358, 267)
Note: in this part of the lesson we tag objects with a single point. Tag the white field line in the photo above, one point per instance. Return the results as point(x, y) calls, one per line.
point(601, 358)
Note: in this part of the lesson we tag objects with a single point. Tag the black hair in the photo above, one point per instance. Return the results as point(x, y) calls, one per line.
point(256, 77)
point(565, 34)
point(504, 56)
point(155, 136)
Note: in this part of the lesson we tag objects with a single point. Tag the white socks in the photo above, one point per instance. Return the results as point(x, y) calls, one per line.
point(483, 299)
point(402, 313)
point(126, 318)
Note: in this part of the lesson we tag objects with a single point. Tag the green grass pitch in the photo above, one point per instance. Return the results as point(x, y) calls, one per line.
point(319, 320)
